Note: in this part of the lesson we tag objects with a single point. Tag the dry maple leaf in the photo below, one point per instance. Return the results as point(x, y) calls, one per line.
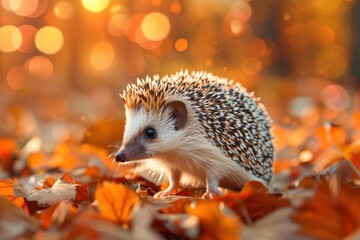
point(332, 213)
point(116, 202)
point(214, 223)
point(177, 205)
point(352, 152)
point(7, 190)
point(46, 197)
point(58, 214)
point(253, 201)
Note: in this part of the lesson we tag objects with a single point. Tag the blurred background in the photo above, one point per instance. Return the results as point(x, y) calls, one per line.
point(63, 63)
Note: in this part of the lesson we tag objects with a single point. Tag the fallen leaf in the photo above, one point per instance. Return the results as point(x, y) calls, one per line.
point(276, 225)
point(352, 153)
point(37, 161)
point(116, 202)
point(253, 201)
point(328, 157)
point(7, 190)
point(58, 215)
point(214, 223)
point(333, 210)
point(64, 157)
point(59, 191)
point(177, 205)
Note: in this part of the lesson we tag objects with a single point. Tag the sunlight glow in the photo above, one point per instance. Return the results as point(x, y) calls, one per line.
point(95, 5)
point(11, 38)
point(49, 40)
point(155, 26)
point(102, 56)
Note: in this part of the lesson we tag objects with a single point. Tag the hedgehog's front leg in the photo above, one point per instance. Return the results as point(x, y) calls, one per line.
point(174, 179)
point(212, 188)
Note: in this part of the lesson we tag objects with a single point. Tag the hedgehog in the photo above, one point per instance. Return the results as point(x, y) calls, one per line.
point(197, 129)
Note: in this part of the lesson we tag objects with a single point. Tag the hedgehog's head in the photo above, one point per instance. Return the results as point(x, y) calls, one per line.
point(154, 125)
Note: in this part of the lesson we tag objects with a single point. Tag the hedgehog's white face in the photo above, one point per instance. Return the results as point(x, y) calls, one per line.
point(149, 134)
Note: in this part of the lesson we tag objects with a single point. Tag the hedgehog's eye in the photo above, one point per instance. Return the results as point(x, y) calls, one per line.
point(150, 133)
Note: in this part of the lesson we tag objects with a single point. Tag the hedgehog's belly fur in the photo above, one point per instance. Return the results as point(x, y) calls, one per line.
point(194, 171)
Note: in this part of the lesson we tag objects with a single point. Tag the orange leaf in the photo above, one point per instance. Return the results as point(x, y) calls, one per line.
point(253, 201)
point(330, 214)
point(214, 223)
point(37, 160)
point(116, 202)
point(177, 206)
point(64, 157)
point(82, 193)
point(59, 214)
point(68, 178)
point(352, 152)
point(328, 157)
point(7, 190)
point(49, 182)
point(46, 216)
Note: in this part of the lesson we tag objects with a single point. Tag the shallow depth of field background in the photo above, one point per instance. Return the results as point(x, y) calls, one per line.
point(63, 62)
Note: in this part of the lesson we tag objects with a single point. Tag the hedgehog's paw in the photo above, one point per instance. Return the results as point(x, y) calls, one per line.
point(161, 194)
point(211, 194)
point(212, 188)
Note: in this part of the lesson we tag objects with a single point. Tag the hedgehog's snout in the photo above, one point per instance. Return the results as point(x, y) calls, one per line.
point(120, 157)
point(131, 152)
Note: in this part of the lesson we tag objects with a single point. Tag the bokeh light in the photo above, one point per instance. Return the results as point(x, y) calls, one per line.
point(335, 97)
point(6, 5)
point(308, 5)
point(16, 77)
point(175, 7)
point(10, 38)
point(155, 26)
point(258, 47)
point(325, 36)
point(132, 27)
point(332, 62)
point(41, 8)
point(95, 5)
point(28, 33)
point(181, 44)
point(64, 10)
point(117, 24)
point(40, 67)
point(24, 7)
point(251, 66)
point(102, 56)
point(235, 21)
point(49, 40)
point(305, 156)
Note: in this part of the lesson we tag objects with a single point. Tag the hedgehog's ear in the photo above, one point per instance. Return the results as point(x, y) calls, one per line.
point(178, 113)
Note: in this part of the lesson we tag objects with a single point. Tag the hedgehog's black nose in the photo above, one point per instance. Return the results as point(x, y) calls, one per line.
point(120, 157)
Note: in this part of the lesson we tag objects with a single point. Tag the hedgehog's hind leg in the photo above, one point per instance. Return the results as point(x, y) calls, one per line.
point(174, 180)
point(212, 188)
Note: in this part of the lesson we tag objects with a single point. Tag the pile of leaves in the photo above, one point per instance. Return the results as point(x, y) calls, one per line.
point(76, 192)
